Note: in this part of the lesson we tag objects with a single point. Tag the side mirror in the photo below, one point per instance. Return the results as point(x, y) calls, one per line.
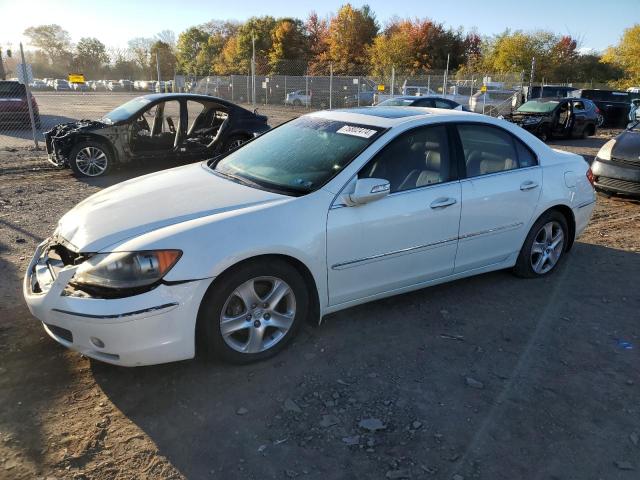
point(367, 190)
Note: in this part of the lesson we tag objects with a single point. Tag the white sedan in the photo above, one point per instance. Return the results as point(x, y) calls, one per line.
point(336, 208)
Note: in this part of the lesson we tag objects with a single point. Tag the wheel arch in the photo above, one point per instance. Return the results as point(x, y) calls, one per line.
point(567, 213)
point(304, 271)
point(88, 137)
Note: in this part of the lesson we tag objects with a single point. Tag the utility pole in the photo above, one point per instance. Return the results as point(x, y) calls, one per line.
point(158, 67)
point(253, 70)
point(2, 74)
point(25, 78)
point(533, 68)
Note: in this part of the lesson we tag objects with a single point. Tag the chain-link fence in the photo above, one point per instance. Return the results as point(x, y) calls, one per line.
point(287, 90)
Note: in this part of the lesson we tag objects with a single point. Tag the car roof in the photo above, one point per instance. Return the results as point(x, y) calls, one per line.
point(387, 117)
point(416, 97)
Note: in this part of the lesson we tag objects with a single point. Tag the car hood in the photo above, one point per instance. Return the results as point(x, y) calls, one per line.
point(78, 126)
point(627, 146)
point(154, 201)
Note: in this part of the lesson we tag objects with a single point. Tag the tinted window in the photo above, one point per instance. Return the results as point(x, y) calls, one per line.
point(443, 104)
point(490, 150)
point(424, 103)
point(12, 90)
point(414, 159)
point(578, 106)
point(606, 95)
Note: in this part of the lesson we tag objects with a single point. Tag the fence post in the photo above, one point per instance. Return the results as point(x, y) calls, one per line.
point(306, 89)
point(393, 81)
point(358, 94)
point(28, 90)
point(253, 70)
point(330, 85)
point(285, 88)
point(444, 80)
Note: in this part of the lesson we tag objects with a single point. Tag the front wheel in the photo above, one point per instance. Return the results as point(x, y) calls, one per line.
point(252, 312)
point(90, 159)
point(544, 246)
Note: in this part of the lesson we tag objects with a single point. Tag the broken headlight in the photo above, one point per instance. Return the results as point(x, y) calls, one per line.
point(125, 270)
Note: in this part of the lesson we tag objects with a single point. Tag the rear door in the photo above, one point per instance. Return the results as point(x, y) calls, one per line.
point(499, 195)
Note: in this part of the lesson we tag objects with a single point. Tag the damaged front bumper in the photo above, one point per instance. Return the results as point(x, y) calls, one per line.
point(157, 326)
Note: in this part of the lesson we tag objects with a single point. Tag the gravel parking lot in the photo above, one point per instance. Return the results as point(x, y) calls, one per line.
point(490, 377)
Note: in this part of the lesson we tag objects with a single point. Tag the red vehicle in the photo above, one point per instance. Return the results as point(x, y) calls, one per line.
point(14, 109)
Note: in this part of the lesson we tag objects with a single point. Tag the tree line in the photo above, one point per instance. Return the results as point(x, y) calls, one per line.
point(350, 41)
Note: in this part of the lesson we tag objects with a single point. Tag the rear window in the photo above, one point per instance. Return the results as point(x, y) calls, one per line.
point(12, 90)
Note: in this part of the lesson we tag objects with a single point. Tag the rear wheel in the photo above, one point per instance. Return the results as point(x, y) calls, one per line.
point(252, 312)
point(297, 103)
point(600, 120)
point(544, 247)
point(90, 159)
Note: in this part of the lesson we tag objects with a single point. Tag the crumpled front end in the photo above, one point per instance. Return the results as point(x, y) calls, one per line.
point(153, 327)
point(61, 139)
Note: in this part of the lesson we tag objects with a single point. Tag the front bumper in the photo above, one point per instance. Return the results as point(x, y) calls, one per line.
point(616, 178)
point(153, 327)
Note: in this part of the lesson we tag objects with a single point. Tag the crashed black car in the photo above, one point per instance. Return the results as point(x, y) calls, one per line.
point(616, 168)
point(182, 127)
point(557, 117)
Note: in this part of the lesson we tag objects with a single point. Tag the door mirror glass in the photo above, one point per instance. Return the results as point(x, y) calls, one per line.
point(367, 190)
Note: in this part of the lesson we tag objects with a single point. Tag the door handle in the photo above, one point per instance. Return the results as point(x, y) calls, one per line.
point(528, 185)
point(442, 202)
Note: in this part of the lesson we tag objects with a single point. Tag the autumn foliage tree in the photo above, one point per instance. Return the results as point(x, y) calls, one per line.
point(626, 56)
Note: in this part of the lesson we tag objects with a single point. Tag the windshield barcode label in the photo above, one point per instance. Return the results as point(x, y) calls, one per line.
point(357, 131)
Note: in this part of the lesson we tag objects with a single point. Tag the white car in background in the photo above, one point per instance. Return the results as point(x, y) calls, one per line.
point(297, 99)
point(330, 210)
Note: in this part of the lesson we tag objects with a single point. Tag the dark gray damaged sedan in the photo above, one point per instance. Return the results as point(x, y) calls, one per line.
point(182, 127)
point(617, 166)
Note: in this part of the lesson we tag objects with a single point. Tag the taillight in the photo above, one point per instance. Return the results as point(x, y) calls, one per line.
point(590, 177)
point(598, 111)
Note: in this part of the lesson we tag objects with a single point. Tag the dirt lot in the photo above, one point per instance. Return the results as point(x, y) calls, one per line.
point(490, 377)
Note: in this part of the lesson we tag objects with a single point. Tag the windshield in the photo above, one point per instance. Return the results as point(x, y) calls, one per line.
point(300, 156)
point(538, 107)
point(125, 110)
point(396, 102)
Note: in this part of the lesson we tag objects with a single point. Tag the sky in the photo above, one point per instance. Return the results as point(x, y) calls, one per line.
point(595, 23)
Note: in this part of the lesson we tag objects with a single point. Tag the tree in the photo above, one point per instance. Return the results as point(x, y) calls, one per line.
point(90, 57)
point(317, 30)
point(165, 58)
point(167, 36)
point(392, 48)
point(288, 46)
point(259, 28)
point(512, 52)
point(52, 39)
point(626, 56)
point(140, 48)
point(190, 43)
point(350, 34)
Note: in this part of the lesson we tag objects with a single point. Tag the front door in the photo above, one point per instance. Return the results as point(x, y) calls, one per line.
point(156, 132)
point(499, 195)
point(403, 239)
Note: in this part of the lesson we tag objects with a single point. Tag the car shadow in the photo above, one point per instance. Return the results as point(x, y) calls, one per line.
point(406, 358)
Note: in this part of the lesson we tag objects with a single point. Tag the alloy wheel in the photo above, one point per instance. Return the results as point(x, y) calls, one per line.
point(547, 247)
point(91, 161)
point(258, 314)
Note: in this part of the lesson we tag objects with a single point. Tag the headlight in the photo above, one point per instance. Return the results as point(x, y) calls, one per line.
point(605, 151)
point(121, 270)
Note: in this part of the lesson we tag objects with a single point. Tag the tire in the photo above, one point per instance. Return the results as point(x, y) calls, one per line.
point(90, 159)
point(539, 244)
point(599, 120)
point(545, 134)
point(233, 142)
point(252, 335)
point(297, 103)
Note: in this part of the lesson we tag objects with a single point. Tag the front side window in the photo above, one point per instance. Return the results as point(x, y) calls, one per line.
point(414, 159)
point(299, 156)
point(490, 149)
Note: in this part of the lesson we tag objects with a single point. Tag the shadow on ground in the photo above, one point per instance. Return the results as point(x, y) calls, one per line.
point(552, 393)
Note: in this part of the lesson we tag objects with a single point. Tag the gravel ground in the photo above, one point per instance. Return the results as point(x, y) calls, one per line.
point(490, 377)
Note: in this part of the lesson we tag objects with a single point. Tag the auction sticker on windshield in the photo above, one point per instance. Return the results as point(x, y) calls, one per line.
point(357, 131)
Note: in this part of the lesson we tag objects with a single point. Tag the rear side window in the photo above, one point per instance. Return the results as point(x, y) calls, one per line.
point(489, 149)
